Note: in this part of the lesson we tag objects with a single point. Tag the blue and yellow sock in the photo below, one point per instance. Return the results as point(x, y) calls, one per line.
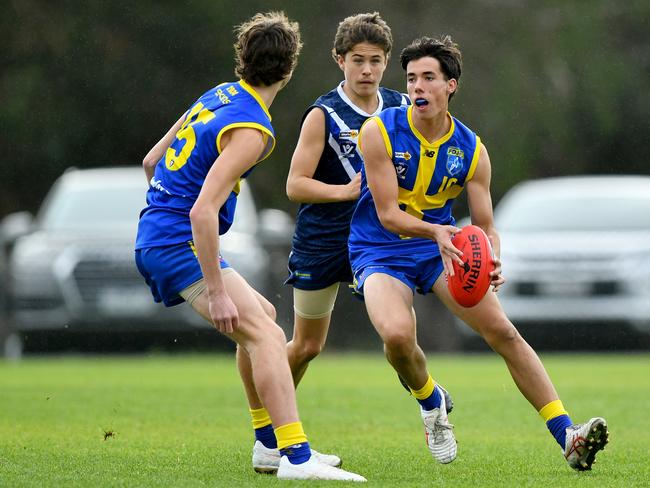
point(429, 396)
point(292, 443)
point(263, 427)
point(557, 420)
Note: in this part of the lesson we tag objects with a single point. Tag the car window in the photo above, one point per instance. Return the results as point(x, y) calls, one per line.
point(91, 208)
point(70, 208)
point(542, 212)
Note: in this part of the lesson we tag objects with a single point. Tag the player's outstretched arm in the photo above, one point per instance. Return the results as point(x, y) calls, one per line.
point(382, 182)
point(479, 200)
point(156, 153)
point(301, 185)
point(241, 149)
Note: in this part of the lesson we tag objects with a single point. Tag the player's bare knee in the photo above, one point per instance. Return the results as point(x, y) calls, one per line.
point(502, 336)
point(398, 343)
point(269, 310)
point(275, 333)
point(310, 349)
point(261, 329)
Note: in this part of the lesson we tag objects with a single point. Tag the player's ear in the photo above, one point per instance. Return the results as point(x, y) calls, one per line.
point(452, 85)
point(340, 60)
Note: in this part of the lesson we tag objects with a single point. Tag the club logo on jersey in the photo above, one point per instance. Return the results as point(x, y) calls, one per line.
point(455, 158)
point(348, 134)
point(348, 147)
point(403, 155)
point(401, 170)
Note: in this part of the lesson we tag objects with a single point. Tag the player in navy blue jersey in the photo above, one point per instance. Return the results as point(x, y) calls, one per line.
point(325, 176)
point(418, 159)
point(194, 173)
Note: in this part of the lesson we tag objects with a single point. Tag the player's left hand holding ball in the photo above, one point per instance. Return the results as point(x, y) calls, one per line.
point(495, 274)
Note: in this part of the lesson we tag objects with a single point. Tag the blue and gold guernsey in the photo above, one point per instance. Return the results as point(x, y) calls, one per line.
point(181, 172)
point(429, 175)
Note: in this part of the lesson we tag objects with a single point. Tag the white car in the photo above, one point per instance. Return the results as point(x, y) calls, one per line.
point(576, 250)
point(75, 271)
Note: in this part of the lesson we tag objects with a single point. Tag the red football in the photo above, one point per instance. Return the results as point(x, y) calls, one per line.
point(471, 281)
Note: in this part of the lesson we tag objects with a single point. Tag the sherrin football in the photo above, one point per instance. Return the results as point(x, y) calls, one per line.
point(471, 281)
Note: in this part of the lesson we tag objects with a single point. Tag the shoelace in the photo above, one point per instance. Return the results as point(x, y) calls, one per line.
point(438, 428)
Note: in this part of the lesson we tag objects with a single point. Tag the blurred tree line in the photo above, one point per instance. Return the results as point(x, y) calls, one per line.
point(555, 87)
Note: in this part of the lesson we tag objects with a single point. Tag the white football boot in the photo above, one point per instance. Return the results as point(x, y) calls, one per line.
point(583, 441)
point(313, 469)
point(439, 434)
point(267, 460)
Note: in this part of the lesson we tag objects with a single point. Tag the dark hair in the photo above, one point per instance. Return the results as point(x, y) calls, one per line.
point(267, 48)
point(444, 50)
point(370, 28)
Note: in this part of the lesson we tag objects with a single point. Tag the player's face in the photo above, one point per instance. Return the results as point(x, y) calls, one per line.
point(363, 67)
point(427, 87)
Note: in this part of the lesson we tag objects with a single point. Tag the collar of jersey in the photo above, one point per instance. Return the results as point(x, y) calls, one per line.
point(423, 140)
point(359, 110)
point(256, 96)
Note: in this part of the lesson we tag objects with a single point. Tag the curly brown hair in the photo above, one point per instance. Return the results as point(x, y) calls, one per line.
point(445, 50)
point(370, 28)
point(267, 48)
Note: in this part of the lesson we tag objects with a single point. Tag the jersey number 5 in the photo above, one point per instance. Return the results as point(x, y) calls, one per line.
point(198, 115)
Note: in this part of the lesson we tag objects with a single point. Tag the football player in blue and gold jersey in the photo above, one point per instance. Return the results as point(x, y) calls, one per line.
point(418, 159)
point(324, 177)
point(194, 173)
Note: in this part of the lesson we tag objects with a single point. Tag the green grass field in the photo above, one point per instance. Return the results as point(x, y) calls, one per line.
point(182, 421)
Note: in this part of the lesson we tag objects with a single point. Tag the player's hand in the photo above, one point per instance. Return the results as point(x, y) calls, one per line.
point(223, 313)
point(497, 278)
point(448, 252)
point(353, 189)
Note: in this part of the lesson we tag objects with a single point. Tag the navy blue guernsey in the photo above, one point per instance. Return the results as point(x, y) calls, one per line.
point(326, 226)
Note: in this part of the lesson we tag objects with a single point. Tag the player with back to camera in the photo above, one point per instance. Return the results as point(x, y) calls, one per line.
point(418, 159)
point(324, 177)
point(195, 172)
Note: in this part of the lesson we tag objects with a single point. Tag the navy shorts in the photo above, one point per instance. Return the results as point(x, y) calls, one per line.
point(419, 272)
point(308, 272)
point(169, 270)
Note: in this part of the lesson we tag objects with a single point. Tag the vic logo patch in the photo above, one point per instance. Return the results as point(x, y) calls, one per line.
point(401, 170)
point(348, 147)
point(455, 158)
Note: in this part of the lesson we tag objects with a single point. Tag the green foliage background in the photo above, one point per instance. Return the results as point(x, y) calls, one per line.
point(555, 87)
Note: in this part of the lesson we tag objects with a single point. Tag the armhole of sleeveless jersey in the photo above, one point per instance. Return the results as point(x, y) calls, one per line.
point(474, 163)
point(384, 135)
point(270, 145)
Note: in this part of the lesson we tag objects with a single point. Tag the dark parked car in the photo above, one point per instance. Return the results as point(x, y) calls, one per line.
point(74, 270)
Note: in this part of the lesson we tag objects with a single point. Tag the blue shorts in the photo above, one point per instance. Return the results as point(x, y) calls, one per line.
point(318, 272)
point(418, 272)
point(169, 270)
